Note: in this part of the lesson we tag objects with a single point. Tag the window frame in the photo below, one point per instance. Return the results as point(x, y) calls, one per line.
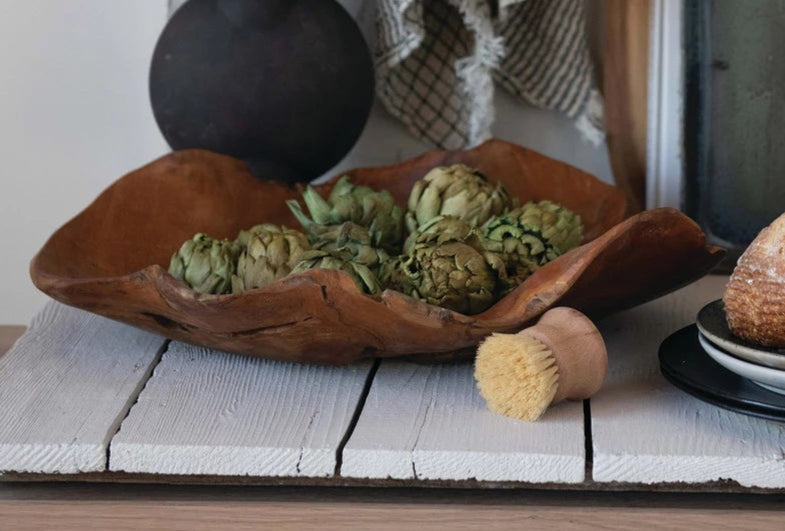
point(665, 129)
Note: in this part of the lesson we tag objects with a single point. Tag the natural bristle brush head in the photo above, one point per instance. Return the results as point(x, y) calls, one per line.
point(562, 357)
point(504, 362)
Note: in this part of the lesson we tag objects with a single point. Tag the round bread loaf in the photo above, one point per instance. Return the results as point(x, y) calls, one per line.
point(755, 295)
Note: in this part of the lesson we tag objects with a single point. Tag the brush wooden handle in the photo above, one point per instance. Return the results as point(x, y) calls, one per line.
point(578, 348)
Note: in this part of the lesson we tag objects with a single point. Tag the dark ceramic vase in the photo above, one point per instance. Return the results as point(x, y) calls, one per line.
point(286, 85)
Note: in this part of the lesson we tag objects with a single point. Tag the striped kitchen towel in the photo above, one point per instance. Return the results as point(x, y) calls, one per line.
point(437, 60)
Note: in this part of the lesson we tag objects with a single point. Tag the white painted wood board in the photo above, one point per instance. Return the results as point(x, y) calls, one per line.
point(430, 422)
point(644, 430)
point(210, 412)
point(65, 386)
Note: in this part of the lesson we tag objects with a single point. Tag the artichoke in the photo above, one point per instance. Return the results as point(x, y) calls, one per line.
point(442, 229)
point(244, 236)
point(376, 211)
point(530, 236)
point(453, 275)
point(352, 242)
point(205, 264)
point(363, 277)
point(269, 252)
point(458, 191)
point(561, 227)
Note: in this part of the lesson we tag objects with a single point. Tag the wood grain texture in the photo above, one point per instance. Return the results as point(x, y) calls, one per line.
point(429, 422)
point(625, 87)
point(646, 431)
point(120, 507)
point(209, 412)
point(64, 388)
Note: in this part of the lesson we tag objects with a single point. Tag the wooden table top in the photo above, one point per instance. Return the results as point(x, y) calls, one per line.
point(118, 506)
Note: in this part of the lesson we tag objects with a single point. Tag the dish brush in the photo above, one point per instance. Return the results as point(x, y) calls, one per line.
point(561, 357)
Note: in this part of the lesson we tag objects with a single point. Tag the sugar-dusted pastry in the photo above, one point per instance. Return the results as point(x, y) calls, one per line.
point(755, 295)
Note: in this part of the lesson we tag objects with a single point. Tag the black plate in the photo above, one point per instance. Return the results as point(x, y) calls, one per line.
point(684, 364)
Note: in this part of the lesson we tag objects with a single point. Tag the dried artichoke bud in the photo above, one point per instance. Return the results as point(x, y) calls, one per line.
point(442, 229)
point(452, 275)
point(374, 210)
point(561, 227)
point(244, 236)
point(530, 236)
point(352, 242)
point(458, 191)
point(365, 279)
point(270, 253)
point(205, 264)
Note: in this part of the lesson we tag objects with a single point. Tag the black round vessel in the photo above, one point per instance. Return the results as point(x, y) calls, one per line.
point(286, 85)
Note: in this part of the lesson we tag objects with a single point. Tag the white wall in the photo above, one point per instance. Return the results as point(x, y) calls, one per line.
point(75, 115)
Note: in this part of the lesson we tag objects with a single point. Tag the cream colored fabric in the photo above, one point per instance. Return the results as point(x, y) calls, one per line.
point(437, 61)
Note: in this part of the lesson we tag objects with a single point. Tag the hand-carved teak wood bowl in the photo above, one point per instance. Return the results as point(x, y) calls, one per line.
point(111, 259)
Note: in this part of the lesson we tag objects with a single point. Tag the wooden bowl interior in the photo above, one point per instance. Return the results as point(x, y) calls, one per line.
point(145, 216)
point(526, 174)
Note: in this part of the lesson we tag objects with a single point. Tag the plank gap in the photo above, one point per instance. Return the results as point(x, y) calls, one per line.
point(65, 387)
point(108, 478)
point(423, 423)
point(207, 412)
point(134, 399)
point(355, 417)
point(589, 448)
point(645, 430)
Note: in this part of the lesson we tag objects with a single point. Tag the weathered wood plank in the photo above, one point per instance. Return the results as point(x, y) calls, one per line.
point(64, 388)
point(646, 431)
point(429, 422)
point(210, 412)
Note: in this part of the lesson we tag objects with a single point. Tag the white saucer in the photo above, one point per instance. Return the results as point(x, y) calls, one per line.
point(712, 324)
point(771, 379)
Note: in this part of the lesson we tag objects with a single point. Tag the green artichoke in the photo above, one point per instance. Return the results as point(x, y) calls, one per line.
point(269, 252)
point(205, 264)
point(530, 236)
point(376, 211)
point(442, 229)
point(244, 236)
point(363, 276)
point(561, 227)
point(352, 242)
point(453, 275)
point(458, 191)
